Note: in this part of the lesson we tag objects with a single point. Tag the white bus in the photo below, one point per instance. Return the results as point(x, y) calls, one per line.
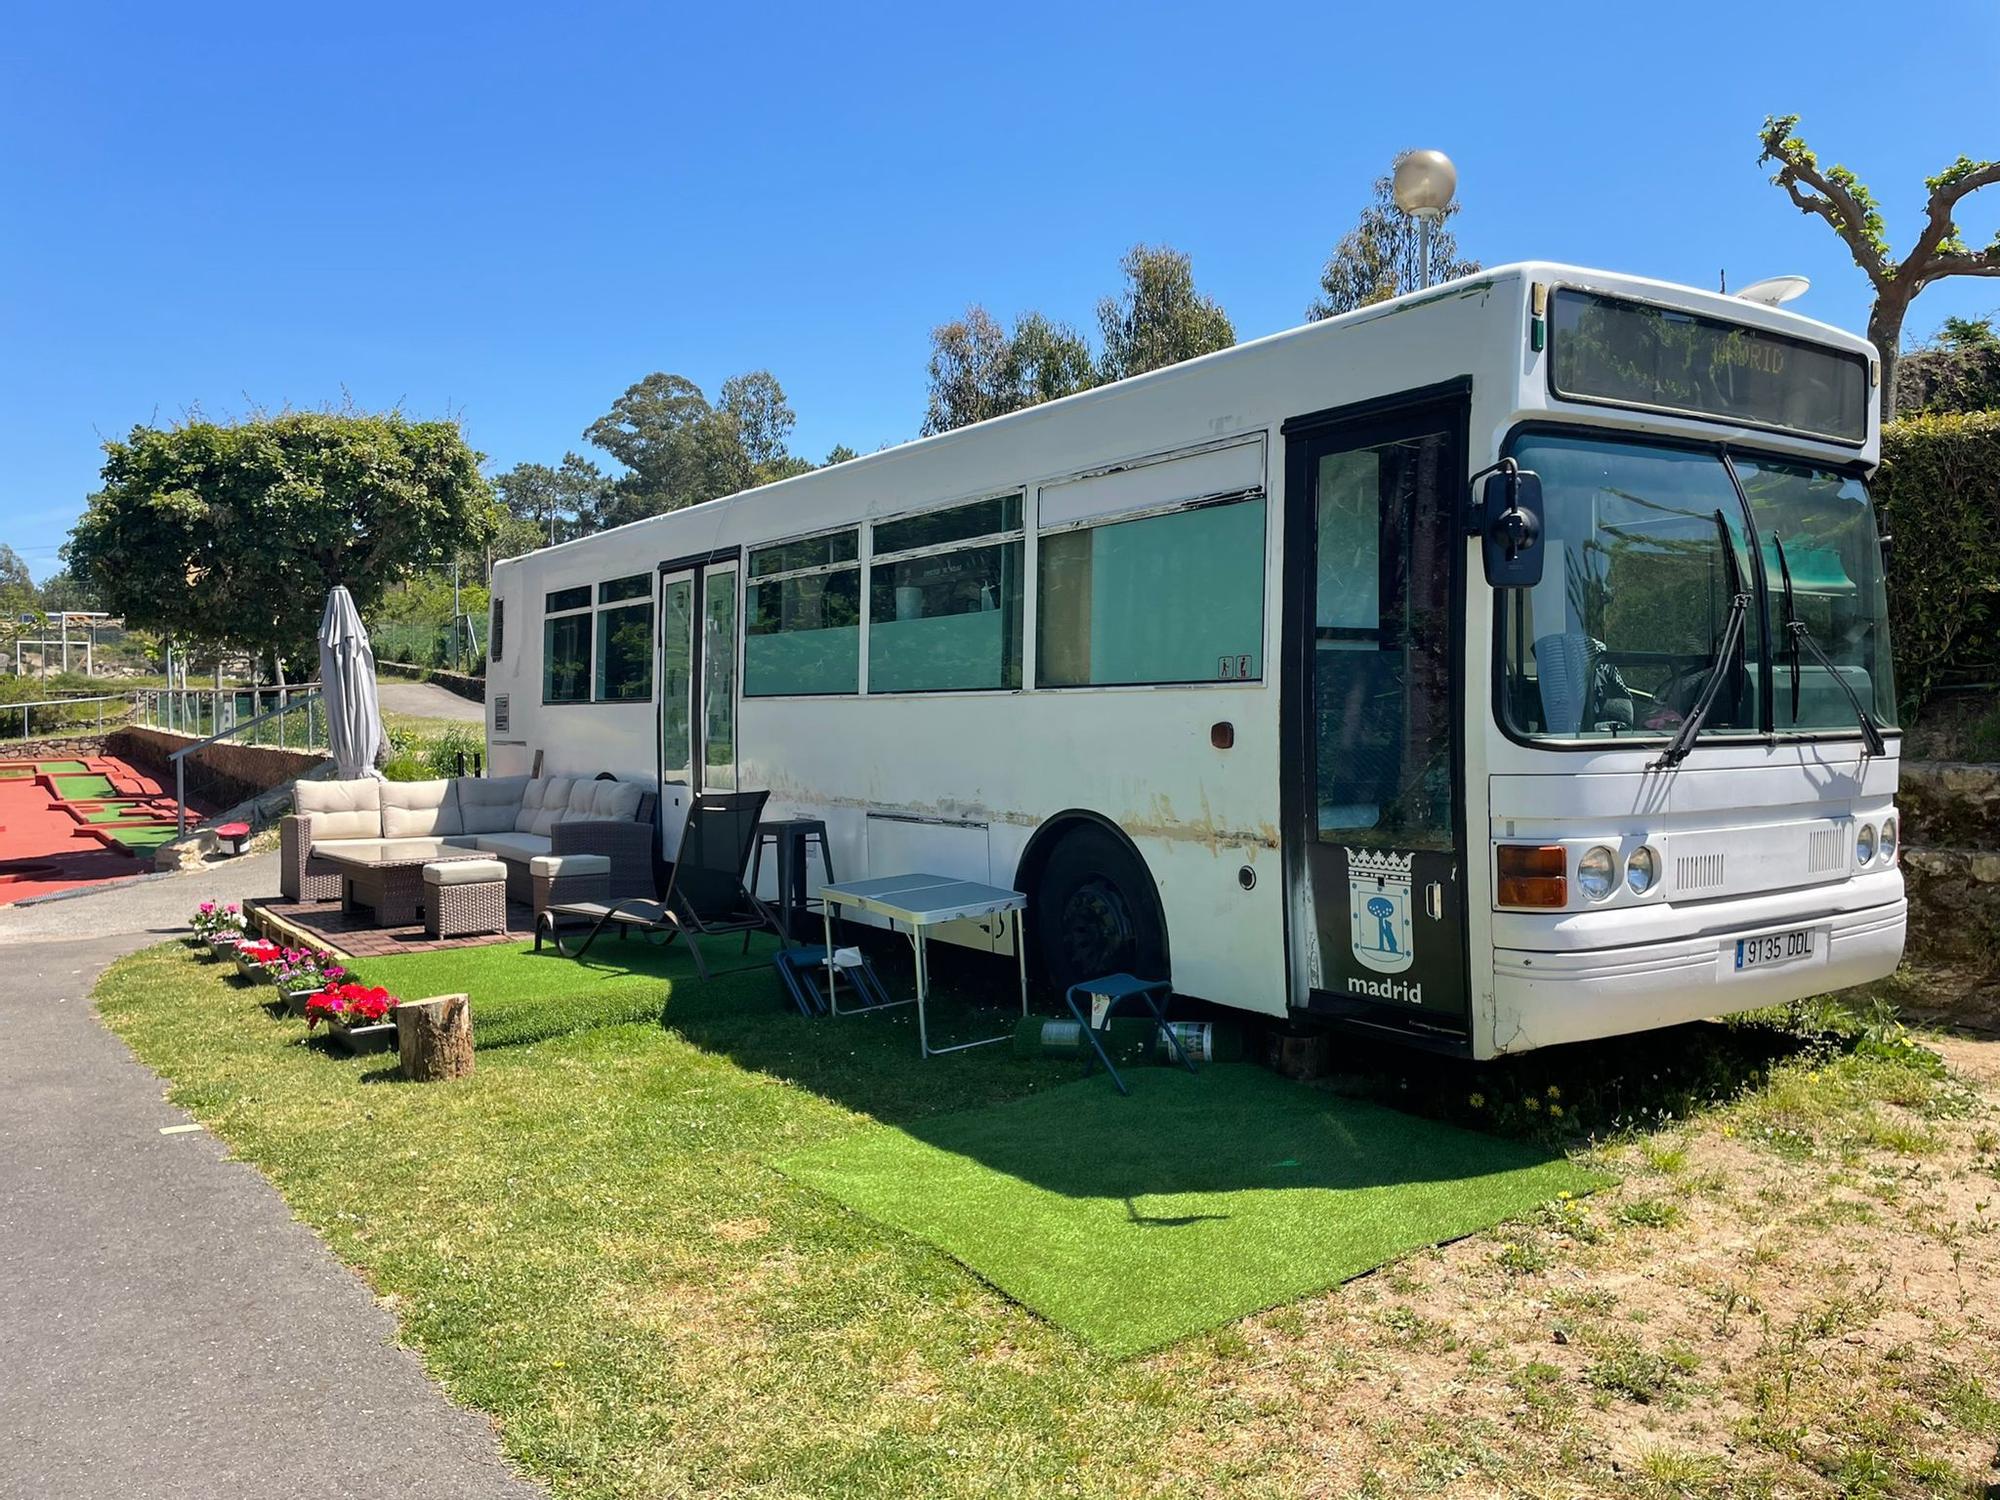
point(1498, 666)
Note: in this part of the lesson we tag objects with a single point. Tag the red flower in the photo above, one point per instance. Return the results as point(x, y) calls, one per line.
point(352, 1004)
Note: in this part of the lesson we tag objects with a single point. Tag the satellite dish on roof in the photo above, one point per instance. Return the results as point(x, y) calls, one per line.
point(1774, 291)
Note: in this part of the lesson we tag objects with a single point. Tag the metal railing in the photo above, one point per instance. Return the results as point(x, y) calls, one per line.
point(63, 717)
point(287, 718)
point(308, 700)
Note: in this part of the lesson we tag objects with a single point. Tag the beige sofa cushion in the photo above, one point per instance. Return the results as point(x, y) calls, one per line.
point(420, 809)
point(464, 872)
point(553, 866)
point(516, 846)
point(341, 809)
point(489, 804)
point(544, 804)
point(604, 801)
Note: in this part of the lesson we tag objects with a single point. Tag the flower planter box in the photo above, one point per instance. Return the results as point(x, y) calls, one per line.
point(379, 1037)
point(294, 1001)
point(223, 947)
point(256, 970)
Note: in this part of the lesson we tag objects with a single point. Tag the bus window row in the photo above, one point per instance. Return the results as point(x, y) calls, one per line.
point(1173, 597)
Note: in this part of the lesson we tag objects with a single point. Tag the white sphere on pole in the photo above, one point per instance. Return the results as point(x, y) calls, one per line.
point(1424, 183)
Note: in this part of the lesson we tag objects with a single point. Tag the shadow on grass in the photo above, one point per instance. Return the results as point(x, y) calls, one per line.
point(870, 1062)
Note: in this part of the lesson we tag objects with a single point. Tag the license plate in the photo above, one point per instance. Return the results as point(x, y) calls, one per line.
point(1771, 949)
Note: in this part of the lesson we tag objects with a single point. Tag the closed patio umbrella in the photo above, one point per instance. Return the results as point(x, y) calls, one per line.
point(347, 680)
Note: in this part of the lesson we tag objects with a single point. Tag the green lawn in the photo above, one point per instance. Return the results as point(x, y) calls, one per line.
point(1788, 1291)
point(587, 1239)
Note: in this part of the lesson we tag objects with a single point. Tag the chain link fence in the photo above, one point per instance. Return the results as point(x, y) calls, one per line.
point(445, 648)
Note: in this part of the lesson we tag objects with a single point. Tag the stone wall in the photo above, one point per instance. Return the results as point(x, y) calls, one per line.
point(80, 748)
point(1951, 869)
point(218, 775)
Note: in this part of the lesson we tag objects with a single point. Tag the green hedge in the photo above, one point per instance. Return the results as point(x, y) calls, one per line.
point(1939, 493)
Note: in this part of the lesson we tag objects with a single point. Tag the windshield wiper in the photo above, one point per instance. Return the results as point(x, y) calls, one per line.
point(1719, 667)
point(1799, 635)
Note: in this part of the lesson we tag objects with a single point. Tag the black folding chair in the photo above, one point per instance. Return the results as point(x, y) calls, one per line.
point(704, 897)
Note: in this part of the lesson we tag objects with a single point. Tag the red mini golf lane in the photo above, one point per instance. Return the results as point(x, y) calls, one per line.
point(67, 823)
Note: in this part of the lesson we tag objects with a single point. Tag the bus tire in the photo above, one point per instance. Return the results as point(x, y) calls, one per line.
point(1094, 911)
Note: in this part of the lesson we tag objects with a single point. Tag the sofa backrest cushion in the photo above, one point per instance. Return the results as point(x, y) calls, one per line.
point(604, 801)
point(543, 804)
point(420, 809)
point(489, 804)
point(341, 809)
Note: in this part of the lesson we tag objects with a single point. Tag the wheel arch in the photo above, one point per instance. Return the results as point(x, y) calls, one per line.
point(1054, 828)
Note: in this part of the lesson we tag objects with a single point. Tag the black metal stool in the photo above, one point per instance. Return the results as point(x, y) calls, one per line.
point(1114, 990)
point(793, 839)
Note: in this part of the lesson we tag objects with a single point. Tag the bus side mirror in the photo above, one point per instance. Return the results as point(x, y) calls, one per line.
point(1511, 528)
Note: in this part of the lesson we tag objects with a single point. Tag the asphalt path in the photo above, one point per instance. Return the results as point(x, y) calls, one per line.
point(167, 1328)
point(426, 700)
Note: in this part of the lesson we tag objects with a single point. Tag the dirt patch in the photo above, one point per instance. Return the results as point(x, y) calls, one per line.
point(1793, 1295)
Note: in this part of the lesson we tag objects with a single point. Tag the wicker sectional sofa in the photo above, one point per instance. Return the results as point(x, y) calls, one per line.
point(515, 819)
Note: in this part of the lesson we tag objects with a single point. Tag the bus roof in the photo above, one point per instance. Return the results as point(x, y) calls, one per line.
point(1692, 299)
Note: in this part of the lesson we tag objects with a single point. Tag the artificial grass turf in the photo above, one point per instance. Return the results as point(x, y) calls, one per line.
point(143, 836)
point(519, 995)
point(62, 768)
point(83, 788)
point(1137, 1221)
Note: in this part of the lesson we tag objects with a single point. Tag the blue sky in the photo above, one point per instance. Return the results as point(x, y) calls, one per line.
point(510, 212)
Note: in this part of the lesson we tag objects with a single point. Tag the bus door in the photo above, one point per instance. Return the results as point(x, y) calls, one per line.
point(1375, 825)
point(697, 610)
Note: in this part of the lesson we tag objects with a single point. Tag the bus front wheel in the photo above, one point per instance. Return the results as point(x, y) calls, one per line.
point(1094, 912)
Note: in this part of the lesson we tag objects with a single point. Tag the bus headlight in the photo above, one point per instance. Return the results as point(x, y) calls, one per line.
point(1864, 844)
point(1641, 870)
point(1597, 873)
point(1888, 839)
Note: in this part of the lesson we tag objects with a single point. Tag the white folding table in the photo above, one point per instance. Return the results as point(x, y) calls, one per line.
point(922, 902)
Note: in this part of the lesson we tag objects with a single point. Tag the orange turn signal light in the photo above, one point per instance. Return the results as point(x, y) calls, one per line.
point(1533, 875)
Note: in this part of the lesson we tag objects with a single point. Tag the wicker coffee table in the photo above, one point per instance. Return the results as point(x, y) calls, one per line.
point(391, 883)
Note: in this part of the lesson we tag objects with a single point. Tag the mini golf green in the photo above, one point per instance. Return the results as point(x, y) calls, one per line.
point(62, 768)
point(143, 836)
point(84, 788)
point(1137, 1221)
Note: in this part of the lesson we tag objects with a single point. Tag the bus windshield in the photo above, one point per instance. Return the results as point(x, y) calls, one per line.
point(1646, 547)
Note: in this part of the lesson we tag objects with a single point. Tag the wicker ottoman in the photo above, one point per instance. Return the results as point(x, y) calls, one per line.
point(463, 897)
point(560, 878)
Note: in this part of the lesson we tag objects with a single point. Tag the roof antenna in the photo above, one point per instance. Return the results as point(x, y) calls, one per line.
point(1723, 278)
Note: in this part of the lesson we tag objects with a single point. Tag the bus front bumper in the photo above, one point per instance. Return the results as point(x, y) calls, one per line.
point(1541, 999)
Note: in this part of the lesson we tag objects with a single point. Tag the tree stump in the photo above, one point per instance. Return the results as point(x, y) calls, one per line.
point(434, 1038)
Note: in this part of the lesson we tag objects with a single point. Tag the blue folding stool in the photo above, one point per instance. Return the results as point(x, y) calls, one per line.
point(1116, 989)
point(803, 967)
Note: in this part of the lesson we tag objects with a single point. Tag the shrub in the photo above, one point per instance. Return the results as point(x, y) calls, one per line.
point(1939, 493)
point(420, 757)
